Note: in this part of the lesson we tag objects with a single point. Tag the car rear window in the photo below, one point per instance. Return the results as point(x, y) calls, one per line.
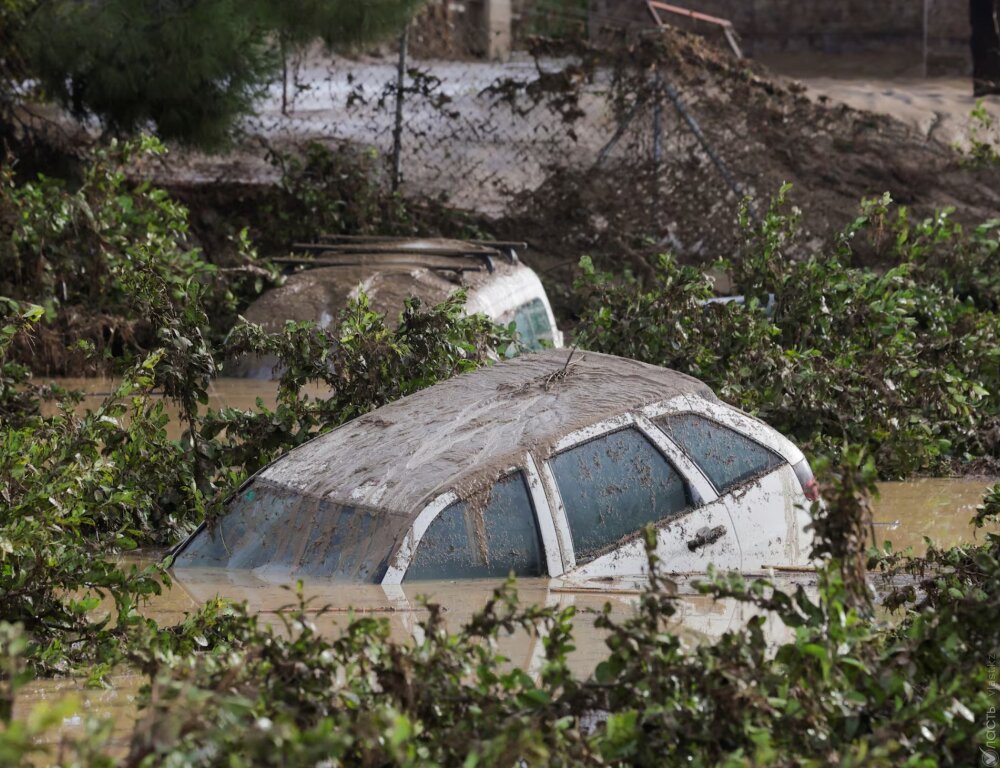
point(533, 326)
point(268, 525)
point(727, 458)
point(612, 486)
point(469, 540)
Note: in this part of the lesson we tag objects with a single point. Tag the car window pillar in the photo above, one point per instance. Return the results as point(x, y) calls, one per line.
point(559, 518)
point(551, 541)
point(702, 490)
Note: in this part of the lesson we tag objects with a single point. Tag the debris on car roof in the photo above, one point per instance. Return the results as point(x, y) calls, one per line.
point(430, 253)
point(472, 425)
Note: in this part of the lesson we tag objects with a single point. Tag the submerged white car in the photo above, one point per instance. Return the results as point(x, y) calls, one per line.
point(391, 269)
point(544, 465)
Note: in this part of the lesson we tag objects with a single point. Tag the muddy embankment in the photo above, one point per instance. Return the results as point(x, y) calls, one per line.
point(590, 154)
point(835, 142)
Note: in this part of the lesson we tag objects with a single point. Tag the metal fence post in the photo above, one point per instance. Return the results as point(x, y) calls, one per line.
point(927, 14)
point(692, 124)
point(397, 129)
point(657, 119)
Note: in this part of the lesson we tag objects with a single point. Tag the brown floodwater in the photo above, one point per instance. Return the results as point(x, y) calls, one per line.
point(905, 513)
point(222, 393)
point(936, 508)
point(331, 606)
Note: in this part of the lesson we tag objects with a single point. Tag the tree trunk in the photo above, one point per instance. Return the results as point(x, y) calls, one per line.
point(985, 18)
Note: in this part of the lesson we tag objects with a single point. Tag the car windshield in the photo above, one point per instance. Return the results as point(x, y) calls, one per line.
point(274, 526)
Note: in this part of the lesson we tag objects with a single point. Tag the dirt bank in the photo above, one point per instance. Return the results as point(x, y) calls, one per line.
point(765, 130)
point(582, 159)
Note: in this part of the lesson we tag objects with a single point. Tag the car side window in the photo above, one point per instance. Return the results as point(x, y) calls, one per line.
point(727, 458)
point(612, 486)
point(489, 539)
point(533, 326)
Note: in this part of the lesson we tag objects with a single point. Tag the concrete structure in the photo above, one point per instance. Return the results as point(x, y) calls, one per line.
point(497, 18)
point(922, 36)
point(476, 28)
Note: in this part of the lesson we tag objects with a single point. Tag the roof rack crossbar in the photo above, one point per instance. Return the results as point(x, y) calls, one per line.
point(368, 250)
point(507, 248)
point(427, 261)
point(386, 254)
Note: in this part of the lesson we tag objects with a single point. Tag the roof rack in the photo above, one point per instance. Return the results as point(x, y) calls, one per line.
point(443, 246)
point(432, 253)
point(427, 261)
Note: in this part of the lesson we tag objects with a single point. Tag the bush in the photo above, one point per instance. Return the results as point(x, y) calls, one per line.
point(365, 363)
point(842, 684)
point(79, 490)
point(72, 250)
point(906, 362)
point(75, 492)
point(167, 485)
point(325, 191)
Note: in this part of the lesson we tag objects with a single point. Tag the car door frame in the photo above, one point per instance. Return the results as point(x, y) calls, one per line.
point(396, 572)
point(730, 417)
point(779, 536)
point(702, 491)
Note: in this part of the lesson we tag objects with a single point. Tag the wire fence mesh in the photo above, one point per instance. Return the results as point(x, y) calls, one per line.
point(479, 134)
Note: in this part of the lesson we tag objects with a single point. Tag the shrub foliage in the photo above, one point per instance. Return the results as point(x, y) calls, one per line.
point(905, 361)
point(897, 370)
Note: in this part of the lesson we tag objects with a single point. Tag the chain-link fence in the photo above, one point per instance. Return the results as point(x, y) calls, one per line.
point(626, 144)
point(480, 133)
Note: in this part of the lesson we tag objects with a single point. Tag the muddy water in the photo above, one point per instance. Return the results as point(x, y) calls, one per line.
point(222, 393)
point(905, 513)
point(332, 606)
point(937, 508)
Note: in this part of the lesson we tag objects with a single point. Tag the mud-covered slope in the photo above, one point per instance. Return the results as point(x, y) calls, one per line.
point(765, 131)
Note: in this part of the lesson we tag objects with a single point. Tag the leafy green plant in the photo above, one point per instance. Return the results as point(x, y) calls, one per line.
point(363, 360)
point(74, 250)
point(835, 680)
point(73, 490)
point(190, 70)
point(325, 191)
point(22, 740)
point(982, 147)
point(905, 361)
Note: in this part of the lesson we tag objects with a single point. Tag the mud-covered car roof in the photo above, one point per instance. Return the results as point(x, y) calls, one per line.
point(465, 432)
point(320, 290)
point(340, 505)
